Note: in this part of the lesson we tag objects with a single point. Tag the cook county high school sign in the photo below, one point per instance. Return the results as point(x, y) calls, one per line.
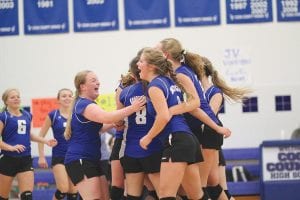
point(280, 164)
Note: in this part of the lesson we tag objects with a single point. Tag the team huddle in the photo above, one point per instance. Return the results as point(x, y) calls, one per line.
point(168, 134)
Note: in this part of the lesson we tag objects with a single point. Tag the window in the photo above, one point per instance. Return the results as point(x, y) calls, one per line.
point(283, 103)
point(250, 105)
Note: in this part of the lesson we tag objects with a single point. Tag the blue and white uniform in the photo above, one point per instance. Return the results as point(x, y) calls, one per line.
point(194, 123)
point(58, 125)
point(182, 147)
point(84, 147)
point(85, 140)
point(211, 91)
point(16, 131)
point(137, 125)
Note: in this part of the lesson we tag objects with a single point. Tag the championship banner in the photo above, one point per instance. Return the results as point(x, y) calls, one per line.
point(248, 11)
point(197, 12)
point(288, 10)
point(146, 14)
point(41, 108)
point(95, 15)
point(107, 102)
point(46, 16)
point(9, 23)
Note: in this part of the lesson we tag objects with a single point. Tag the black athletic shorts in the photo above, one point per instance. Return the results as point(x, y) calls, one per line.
point(222, 161)
point(106, 168)
point(210, 139)
point(149, 164)
point(57, 160)
point(76, 170)
point(116, 149)
point(197, 131)
point(11, 166)
point(182, 147)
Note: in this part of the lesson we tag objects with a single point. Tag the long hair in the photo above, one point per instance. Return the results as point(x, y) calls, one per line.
point(174, 49)
point(232, 94)
point(163, 65)
point(80, 79)
point(133, 74)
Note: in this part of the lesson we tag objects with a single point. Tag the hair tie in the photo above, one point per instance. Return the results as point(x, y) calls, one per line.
point(183, 53)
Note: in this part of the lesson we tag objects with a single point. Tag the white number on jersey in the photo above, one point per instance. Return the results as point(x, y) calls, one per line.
point(141, 116)
point(21, 126)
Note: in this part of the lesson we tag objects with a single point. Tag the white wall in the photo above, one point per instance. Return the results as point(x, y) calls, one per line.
point(39, 65)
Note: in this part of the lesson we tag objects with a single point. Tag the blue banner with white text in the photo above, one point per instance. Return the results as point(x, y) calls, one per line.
point(288, 10)
point(46, 16)
point(95, 15)
point(9, 23)
point(142, 14)
point(248, 11)
point(197, 12)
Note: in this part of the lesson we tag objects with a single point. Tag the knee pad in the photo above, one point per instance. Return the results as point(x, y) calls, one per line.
point(205, 194)
point(2, 198)
point(183, 197)
point(59, 194)
point(130, 197)
point(214, 191)
point(71, 196)
point(227, 194)
point(27, 195)
point(116, 193)
point(168, 198)
point(153, 194)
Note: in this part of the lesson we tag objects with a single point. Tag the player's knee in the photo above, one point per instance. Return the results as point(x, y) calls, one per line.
point(59, 195)
point(27, 195)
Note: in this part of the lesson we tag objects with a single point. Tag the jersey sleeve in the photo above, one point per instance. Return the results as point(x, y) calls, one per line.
point(81, 105)
point(3, 117)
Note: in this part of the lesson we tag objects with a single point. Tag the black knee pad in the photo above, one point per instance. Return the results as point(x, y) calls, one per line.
point(227, 194)
point(168, 198)
point(183, 197)
point(214, 191)
point(59, 194)
point(27, 195)
point(130, 197)
point(116, 193)
point(153, 194)
point(2, 198)
point(205, 194)
point(72, 196)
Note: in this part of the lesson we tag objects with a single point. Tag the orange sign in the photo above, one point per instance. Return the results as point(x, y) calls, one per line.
point(41, 108)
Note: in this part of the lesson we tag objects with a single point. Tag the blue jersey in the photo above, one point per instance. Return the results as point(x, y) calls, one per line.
point(16, 130)
point(192, 121)
point(210, 92)
point(85, 140)
point(137, 125)
point(119, 134)
point(58, 125)
point(173, 97)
